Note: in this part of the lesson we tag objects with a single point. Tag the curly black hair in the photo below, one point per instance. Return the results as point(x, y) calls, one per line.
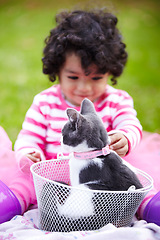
point(91, 35)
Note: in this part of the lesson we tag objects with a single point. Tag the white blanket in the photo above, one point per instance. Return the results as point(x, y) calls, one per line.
point(25, 228)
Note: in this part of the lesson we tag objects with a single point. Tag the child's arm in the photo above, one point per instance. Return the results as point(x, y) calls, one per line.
point(119, 144)
point(126, 130)
point(34, 157)
point(31, 139)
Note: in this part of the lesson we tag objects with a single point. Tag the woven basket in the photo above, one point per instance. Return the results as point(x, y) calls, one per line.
point(64, 208)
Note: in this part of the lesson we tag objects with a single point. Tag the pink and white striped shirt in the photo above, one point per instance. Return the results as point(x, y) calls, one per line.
point(41, 129)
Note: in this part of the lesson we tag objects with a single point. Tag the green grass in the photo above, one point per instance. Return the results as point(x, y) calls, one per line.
point(25, 24)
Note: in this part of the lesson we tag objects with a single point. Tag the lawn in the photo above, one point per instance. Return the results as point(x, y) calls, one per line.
point(24, 26)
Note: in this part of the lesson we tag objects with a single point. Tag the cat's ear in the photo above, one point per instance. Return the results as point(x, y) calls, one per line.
point(87, 106)
point(73, 116)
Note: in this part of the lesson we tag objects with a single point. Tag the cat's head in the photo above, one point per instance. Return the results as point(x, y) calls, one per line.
point(85, 130)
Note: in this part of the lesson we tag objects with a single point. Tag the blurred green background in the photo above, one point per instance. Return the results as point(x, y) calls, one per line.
point(23, 28)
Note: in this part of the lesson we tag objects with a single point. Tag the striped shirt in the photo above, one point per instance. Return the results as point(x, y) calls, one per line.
point(41, 129)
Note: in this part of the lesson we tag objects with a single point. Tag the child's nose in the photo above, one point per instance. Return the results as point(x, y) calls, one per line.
point(84, 86)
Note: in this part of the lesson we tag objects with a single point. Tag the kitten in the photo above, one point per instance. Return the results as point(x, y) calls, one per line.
point(77, 208)
point(85, 132)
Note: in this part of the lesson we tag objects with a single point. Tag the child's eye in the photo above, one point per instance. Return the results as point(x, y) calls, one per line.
point(96, 78)
point(73, 77)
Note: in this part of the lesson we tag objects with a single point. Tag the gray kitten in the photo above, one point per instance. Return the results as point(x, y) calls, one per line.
point(85, 132)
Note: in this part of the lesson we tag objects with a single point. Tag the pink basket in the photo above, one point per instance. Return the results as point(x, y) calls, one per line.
point(64, 208)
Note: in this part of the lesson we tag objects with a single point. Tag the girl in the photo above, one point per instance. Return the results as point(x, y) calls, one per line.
point(83, 51)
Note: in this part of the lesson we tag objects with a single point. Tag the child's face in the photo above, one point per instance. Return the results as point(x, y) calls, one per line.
point(76, 85)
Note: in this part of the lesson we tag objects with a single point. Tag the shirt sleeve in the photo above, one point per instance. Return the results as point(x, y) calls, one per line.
point(124, 120)
point(32, 136)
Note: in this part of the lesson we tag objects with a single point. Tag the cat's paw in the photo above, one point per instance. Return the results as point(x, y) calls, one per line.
point(78, 204)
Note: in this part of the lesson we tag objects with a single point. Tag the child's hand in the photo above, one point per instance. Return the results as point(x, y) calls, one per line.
point(119, 144)
point(35, 156)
